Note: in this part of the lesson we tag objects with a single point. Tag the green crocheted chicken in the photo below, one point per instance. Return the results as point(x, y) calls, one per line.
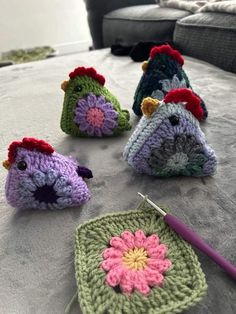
point(89, 108)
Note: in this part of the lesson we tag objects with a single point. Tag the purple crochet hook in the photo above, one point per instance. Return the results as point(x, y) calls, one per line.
point(194, 239)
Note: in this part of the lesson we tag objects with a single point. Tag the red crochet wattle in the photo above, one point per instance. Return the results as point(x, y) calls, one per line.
point(193, 103)
point(166, 49)
point(90, 72)
point(29, 143)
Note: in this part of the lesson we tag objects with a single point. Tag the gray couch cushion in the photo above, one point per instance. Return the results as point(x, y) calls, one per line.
point(144, 22)
point(210, 37)
point(96, 9)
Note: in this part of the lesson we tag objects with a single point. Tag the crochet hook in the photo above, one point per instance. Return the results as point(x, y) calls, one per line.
point(194, 239)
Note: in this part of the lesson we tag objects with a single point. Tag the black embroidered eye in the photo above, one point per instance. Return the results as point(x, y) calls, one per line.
point(78, 88)
point(22, 165)
point(174, 120)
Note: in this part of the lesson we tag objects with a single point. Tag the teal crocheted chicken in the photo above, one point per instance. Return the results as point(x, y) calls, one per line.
point(89, 108)
point(162, 72)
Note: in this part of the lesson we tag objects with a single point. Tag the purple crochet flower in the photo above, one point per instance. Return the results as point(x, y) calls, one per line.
point(46, 189)
point(95, 116)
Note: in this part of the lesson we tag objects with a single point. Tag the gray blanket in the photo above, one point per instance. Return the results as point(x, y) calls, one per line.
point(36, 259)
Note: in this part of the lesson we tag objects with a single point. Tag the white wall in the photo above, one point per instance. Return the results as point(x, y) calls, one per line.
point(30, 23)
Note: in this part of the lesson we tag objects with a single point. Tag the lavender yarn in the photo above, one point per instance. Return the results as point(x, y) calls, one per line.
point(170, 143)
point(48, 182)
point(95, 115)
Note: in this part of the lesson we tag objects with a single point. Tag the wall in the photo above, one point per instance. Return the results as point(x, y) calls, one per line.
point(30, 23)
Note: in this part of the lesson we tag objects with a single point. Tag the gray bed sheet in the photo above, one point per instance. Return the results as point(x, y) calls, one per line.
point(36, 247)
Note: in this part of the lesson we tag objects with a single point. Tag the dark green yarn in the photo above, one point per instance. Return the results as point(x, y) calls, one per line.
point(154, 73)
point(72, 96)
point(184, 283)
point(162, 67)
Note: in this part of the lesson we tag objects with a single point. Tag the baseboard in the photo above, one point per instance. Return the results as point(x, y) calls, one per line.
point(72, 47)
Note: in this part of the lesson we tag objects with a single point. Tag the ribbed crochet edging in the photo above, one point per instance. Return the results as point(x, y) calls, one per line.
point(184, 283)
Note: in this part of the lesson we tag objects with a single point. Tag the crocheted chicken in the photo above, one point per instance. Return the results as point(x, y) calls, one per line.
point(162, 72)
point(89, 108)
point(40, 178)
point(168, 140)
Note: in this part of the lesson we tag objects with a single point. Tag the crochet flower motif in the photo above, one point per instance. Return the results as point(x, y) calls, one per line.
point(46, 190)
point(168, 85)
point(135, 262)
point(182, 155)
point(95, 116)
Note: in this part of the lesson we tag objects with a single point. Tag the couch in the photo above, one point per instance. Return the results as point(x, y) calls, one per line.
point(207, 36)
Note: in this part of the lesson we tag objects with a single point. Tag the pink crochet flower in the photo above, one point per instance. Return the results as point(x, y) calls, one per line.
point(135, 262)
point(95, 116)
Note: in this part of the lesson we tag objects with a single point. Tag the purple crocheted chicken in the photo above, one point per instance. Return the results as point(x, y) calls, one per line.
point(168, 140)
point(40, 178)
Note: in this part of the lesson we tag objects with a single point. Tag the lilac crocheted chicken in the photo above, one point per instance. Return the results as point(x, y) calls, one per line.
point(168, 140)
point(40, 178)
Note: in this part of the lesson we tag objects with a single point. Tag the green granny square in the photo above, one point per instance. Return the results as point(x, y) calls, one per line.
point(132, 262)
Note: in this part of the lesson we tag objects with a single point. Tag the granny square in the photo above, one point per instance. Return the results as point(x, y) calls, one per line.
point(132, 262)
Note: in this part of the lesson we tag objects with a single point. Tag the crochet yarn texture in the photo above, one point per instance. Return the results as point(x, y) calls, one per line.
point(89, 108)
point(168, 140)
point(40, 178)
point(162, 72)
point(132, 262)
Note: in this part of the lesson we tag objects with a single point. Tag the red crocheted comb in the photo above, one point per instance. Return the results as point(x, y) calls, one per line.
point(29, 143)
point(193, 103)
point(90, 72)
point(166, 49)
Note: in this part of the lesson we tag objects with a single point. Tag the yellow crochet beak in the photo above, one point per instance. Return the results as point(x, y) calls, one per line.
point(64, 85)
point(149, 105)
point(144, 66)
point(6, 164)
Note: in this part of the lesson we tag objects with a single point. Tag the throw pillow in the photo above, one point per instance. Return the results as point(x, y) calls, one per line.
point(187, 5)
point(226, 6)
